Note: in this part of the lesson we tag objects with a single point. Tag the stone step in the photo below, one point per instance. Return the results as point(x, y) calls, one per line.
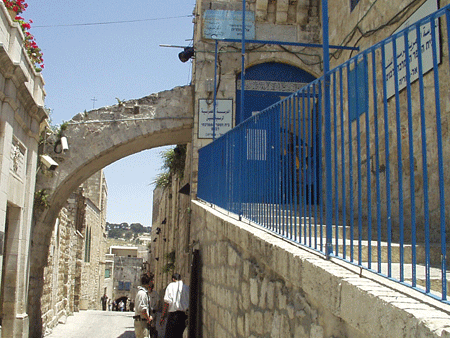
point(435, 271)
point(435, 249)
point(435, 275)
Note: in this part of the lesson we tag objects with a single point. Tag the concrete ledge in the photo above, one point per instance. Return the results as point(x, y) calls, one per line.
point(336, 300)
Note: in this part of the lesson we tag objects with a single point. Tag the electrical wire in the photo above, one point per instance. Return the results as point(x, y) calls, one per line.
point(395, 19)
point(112, 22)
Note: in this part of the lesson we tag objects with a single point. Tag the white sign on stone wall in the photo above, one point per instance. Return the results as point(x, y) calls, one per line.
point(223, 24)
point(223, 121)
point(427, 8)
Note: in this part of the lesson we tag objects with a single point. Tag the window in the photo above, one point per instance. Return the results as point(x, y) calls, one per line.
point(120, 286)
point(127, 286)
point(353, 4)
point(357, 84)
point(107, 273)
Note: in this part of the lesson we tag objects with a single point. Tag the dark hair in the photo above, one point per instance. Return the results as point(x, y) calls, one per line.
point(176, 276)
point(145, 280)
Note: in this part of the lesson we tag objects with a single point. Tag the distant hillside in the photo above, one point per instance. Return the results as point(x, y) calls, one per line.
point(125, 230)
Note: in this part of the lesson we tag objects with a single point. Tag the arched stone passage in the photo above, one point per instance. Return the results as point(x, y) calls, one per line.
point(97, 139)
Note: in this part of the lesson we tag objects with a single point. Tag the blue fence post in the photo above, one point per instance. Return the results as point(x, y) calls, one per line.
point(215, 91)
point(433, 24)
point(327, 131)
point(243, 65)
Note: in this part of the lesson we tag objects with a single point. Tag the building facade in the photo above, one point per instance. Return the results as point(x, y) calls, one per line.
point(128, 268)
point(272, 72)
point(22, 115)
point(93, 256)
point(74, 278)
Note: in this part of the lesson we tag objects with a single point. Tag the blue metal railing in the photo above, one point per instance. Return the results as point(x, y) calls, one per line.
point(385, 146)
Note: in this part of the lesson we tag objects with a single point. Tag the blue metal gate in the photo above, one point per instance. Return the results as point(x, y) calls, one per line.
point(388, 160)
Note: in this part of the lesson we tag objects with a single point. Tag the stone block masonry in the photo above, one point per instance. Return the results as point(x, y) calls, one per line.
point(256, 284)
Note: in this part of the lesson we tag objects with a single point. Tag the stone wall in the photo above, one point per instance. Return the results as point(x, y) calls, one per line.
point(93, 263)
point(58, 298)
point(255, 284)
point(170, 229)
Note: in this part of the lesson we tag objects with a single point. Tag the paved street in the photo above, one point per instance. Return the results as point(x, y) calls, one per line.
point(98, 324)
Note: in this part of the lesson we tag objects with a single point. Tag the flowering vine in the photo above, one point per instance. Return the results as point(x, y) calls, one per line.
point(34, 52)
point(18, 6)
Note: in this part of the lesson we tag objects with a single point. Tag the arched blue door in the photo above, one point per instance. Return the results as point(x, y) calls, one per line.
point(266, 84)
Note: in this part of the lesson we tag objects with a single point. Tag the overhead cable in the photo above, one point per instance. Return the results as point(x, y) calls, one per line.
point(112, 22)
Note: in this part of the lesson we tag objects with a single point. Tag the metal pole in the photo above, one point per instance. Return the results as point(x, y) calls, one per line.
point(215, 93)
point(241, 116)
point(287, 43)
point(327, 129)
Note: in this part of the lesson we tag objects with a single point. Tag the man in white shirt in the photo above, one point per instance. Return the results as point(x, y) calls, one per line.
point(176, 301)
point(142, 317)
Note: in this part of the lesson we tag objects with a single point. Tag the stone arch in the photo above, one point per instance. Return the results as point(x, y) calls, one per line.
point(97, 139)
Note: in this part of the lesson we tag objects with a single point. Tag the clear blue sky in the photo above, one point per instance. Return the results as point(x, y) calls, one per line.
point(105, 61)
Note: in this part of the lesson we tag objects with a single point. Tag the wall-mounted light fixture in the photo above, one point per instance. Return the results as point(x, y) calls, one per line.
point(186, 54)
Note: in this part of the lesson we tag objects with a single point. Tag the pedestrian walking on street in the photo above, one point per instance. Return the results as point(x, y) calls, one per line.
point(142, 317)
point(104, 301)
point(176, 301)
point(155, 309)
point(121, 305)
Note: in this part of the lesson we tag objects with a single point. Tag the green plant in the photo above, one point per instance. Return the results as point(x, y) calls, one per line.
point(171, 256)
point(61, 128)
point(173, 165)
point(170, 265)
point(120, 102)
point(41, 200)
point(162, 180)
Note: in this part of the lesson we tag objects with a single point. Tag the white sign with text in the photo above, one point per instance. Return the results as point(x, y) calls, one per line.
point(223, 119)
point(427, 8)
